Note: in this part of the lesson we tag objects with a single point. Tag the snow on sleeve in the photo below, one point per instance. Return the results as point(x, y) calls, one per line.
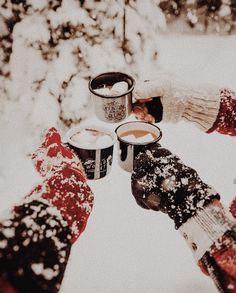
point(65, 186)
point(44, 247)
point(53, 155)
point(177, 187)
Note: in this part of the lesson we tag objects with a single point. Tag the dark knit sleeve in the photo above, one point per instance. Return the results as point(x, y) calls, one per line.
point(35, 244)
point(226, 120)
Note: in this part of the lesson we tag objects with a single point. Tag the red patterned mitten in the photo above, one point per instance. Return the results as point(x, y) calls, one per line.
point(53, 155)
point(65, 186)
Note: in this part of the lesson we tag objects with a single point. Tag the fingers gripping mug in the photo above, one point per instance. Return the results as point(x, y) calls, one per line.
point(133, 138)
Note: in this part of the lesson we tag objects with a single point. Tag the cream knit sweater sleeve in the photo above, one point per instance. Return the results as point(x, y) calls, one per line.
point(198, 104)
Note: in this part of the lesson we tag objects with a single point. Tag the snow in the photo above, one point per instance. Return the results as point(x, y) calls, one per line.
point(47, 273)
point(124, 248)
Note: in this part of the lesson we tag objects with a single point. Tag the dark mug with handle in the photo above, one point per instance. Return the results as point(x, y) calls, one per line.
point(128, 150)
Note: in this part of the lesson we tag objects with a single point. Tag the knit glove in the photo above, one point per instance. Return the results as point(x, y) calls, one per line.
point(176, 101)
point(52, 155)
point(160, 181)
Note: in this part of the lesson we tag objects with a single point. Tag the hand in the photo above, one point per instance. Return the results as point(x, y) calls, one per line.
point(160, 181)
point(149, 110)
point(65, 186)
point(175, 100)
point(53, 155)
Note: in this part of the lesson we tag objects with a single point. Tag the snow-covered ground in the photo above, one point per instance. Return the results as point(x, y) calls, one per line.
point(125, 248)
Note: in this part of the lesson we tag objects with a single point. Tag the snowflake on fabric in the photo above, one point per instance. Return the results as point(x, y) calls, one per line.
point(53, 154)
point(161, 181)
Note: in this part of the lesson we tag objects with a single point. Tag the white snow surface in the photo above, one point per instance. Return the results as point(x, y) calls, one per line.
point(126, 248)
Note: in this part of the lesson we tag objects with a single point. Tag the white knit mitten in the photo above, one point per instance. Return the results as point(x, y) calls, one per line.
point(197, 104)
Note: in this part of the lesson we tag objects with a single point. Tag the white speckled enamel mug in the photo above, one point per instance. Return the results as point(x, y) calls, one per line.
point(112, 108)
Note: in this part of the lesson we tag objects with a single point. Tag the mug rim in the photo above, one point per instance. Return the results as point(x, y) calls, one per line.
point(139, 143)
point(113, 96)
point(78, 128)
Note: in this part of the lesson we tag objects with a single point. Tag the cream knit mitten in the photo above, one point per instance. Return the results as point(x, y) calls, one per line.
point(198, 104)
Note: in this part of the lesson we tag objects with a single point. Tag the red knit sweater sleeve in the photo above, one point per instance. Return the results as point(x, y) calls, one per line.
point(226, 120)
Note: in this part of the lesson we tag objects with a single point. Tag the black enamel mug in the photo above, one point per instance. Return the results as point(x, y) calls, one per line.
point(97, 161)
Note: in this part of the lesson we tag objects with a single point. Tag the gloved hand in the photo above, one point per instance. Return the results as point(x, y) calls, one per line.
point(175, 100)
point(65, 186)
point(52, 155)
point(160, 181)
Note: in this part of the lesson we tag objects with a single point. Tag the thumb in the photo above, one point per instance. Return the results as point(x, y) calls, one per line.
point(149, 89)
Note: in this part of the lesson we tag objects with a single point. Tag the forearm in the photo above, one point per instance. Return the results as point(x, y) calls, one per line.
point(160, 181)
point(212, 110)
point(36, 238)
point(211, 236)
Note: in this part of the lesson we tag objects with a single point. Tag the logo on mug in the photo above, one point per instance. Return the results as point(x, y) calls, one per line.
point(90, 164)
point(114, 110)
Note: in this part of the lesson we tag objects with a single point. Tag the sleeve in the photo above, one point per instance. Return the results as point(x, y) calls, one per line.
point(225, 122)
point(211, 236)
point(197, 106)
point(232, 207)
point(36, 238)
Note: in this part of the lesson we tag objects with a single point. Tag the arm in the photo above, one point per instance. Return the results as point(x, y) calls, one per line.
point(209, 108)
point(36, 238)
point(161, 182)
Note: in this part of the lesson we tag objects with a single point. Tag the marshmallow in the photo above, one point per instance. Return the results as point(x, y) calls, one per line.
point(146, 138)
point(92, 139)
point(119, 88)
point(142, 139)
point(105, 91)
point(103, 141)
point(129, 138)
